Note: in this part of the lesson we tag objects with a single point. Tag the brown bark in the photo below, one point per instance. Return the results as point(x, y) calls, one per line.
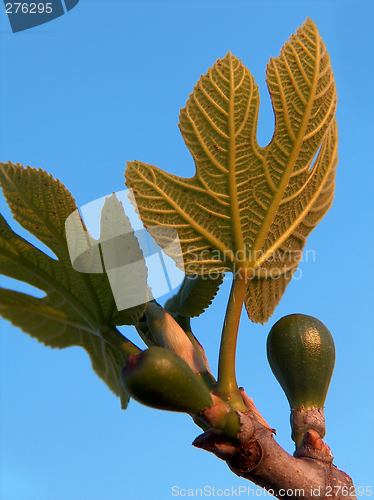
point(256, 456)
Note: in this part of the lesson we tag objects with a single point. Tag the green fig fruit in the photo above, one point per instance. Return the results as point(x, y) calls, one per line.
point(159, 378)
point(301, 354)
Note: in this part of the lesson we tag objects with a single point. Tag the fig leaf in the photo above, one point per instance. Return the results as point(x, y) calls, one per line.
point(248, 206)
point(76, 305)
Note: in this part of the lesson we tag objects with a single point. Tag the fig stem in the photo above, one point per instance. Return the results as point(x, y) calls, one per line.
point(227, 387)
point(112, 336)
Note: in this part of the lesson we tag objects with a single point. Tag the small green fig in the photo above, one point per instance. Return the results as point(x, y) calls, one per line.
point(301, 354)
point(159, 378)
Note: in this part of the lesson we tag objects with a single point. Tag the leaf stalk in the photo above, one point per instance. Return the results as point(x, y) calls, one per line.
point(227, 387)
point(112, 336)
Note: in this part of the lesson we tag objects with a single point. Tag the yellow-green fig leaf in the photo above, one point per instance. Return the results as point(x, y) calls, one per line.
point(248, 206)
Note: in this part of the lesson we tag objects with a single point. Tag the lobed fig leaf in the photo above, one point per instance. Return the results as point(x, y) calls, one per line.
point(77, 306)
point(247, 206)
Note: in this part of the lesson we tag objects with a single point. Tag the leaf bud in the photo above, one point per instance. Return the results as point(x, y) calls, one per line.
point(168, 333)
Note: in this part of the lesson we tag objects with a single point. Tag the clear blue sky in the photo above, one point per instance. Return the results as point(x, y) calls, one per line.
point(102, 85)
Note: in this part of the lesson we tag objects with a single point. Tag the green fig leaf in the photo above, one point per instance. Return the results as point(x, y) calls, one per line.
point(194, 295)
point(250, 207)
point(78, 306)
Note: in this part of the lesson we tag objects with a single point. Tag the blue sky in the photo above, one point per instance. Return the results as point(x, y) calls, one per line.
point(103, 85)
